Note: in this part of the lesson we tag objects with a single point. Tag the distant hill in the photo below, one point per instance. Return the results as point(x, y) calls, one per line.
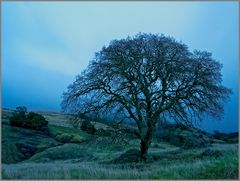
point(187, 137)
point(176, 134)
point(227, 137)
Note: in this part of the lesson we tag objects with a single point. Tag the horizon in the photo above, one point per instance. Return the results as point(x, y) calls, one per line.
point(45, 45)
point(46, 111)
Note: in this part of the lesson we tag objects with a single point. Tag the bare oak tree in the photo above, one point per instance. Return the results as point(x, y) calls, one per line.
point(147, 79)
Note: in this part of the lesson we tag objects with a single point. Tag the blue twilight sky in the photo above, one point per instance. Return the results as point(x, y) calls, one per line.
point(46, 44)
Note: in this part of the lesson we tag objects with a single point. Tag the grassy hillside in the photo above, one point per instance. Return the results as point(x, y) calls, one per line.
point(30, 154)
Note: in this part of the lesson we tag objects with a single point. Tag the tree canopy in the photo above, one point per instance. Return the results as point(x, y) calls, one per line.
point(146, 79)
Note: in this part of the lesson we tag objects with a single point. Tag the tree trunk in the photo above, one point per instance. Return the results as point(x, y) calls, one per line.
point(144, 149)
point(145, 143)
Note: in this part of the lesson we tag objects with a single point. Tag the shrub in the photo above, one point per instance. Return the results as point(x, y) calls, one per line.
point(88, 127)
point(22, 111)
point(36, 121)
point(16, 120)
point(31, 120)
point(77, 139)
point(69, 138)
point(64, 138)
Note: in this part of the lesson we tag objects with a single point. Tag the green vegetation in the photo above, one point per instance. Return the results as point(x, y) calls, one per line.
point(179, 135)
point(32, 120)
point(63, 138)
point(63, 152)
point(69, 138)
point(55, 130)
point(228, 138)
point(32, 154)
point(88, 127)
point(207, 168)
point(77, 139)
point(19, 144)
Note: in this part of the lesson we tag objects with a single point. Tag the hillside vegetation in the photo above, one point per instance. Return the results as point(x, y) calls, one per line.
point(70, 153)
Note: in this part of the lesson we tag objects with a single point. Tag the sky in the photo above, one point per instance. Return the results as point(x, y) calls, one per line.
point(46, 44)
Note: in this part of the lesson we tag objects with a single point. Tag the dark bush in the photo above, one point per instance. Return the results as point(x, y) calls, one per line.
point(36, 121)
point(16, 120)
point(31, 120)
point(22, 111)
point(88, 127)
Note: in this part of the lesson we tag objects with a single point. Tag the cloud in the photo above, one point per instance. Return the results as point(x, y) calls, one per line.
point(53, 60)
point(62, 37)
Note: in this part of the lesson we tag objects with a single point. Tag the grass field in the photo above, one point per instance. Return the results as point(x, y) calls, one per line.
point(93, 158)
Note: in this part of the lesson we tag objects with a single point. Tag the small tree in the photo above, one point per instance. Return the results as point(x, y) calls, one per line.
point(22, 111)
point(148, 79)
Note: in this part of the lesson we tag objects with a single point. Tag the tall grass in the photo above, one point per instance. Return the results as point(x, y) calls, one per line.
point(224, 167)
point(68, 171)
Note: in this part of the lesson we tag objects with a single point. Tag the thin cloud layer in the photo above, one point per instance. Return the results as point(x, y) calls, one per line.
point(45, 45)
